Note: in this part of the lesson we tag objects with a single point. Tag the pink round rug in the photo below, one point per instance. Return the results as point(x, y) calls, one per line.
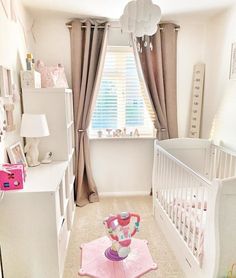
point(95, 264)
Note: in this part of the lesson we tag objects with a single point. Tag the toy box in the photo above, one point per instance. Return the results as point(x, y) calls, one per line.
point(12, 176)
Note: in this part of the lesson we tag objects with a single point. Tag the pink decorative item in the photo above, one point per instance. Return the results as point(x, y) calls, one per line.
point(52, 76)
point(118, 227)
point(125, 258)
point(95, 264)
point(12, 177)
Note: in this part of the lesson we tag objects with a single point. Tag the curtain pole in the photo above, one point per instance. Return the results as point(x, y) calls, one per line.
point(69, 26)
point(109, 25)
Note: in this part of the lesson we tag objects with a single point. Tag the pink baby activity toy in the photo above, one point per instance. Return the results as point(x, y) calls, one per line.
point(119, 232)
point(11, 176)
point(119, 255)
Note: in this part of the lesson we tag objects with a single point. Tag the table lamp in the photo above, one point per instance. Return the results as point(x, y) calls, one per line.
point(33, 126)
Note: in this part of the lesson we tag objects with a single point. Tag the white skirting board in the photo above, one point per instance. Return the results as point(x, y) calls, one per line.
point(124, 194)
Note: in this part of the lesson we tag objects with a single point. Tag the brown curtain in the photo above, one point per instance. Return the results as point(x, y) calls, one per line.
point(88, 45)
point(158, 60)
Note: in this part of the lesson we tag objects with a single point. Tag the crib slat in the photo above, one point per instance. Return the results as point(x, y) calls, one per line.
point(225, 165)
point(180, 198)
point(173, 193)
point(170, 197)
point(166, 183)
point(233, 167)
point(178, 181)
point(200, 228)
point(174, 215)
point(217, 163)
point(185, 203)
point(213, 162)
point(194, 221)
point(230, 166)
point(168, 186)
point(220, 164)
point(191, 201)
point(161, 165)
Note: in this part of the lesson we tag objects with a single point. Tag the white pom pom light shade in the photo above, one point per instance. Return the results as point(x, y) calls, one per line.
point(140, 17)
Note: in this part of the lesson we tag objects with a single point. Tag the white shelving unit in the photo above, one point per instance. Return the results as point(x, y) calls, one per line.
point(35, 223)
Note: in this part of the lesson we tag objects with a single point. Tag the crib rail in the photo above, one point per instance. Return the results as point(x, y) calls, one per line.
point(222, 163)
point(182, 193)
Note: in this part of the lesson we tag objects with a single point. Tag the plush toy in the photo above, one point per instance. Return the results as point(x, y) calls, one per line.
point(52, 76)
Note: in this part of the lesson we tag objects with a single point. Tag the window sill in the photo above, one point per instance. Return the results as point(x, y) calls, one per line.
point(122, 138)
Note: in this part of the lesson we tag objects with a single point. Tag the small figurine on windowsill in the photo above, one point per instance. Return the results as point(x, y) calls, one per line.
point(109, 130)
point(136, 133)
point(117, 133)
point(47, 158)
point(100, 133)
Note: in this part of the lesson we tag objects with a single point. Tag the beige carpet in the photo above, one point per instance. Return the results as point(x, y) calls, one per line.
point(88, 225)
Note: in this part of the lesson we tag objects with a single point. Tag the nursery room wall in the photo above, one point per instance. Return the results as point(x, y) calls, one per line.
point(123, 166)
point(219, 112)
point(15, 39)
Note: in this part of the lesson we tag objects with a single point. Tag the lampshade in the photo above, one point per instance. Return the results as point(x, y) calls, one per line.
point(140, 17)
point(34, 125)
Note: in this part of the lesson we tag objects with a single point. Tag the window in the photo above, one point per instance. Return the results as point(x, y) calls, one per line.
point(121, 101)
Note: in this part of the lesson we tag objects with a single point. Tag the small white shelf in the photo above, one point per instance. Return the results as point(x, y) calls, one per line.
point(47, 90)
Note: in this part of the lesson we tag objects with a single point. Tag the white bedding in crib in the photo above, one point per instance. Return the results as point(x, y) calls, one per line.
point(189, 217)
point(191, 224)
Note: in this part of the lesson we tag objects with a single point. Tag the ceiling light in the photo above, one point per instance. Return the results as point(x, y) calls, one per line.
point(140, 17)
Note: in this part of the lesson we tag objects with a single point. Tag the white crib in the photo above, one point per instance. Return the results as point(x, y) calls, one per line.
point(194, 202)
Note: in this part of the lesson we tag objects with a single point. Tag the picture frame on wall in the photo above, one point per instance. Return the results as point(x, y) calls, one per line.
point(232, 75)
point(5, 82)
point(16, 154)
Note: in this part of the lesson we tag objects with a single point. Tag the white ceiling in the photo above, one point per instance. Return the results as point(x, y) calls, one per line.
point(113, 8)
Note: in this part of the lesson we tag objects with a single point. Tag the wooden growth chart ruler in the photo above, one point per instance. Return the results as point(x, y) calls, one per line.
point(197, 97)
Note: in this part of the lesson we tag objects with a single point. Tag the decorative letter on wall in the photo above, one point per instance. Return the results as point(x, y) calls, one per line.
point(5, 82)
point(9, 112)
point(2, 122)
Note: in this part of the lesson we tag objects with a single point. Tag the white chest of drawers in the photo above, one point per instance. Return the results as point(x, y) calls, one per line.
point(35, 223)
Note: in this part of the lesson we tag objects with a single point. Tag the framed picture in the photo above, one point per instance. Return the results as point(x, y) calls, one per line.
point(16, 154)
point(232, 74)
point(5, 82)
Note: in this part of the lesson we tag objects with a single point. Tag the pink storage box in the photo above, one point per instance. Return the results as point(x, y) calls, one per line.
point(12, 176)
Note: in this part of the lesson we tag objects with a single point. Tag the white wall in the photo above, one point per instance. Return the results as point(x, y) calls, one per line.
point(220, 92)
point(53, 46)
point(123, 166)
point(52, 41)
point(15, 40)
point(191, 50)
